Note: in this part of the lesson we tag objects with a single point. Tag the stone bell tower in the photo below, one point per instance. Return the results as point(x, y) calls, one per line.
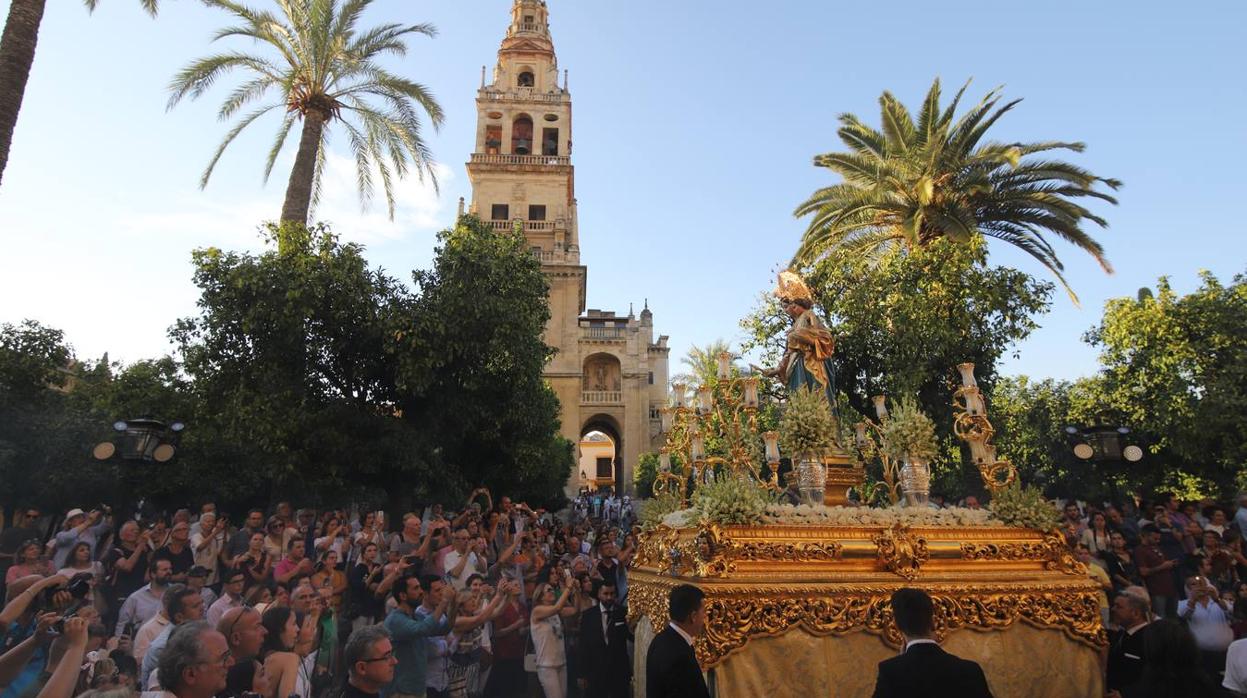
point(606, 370)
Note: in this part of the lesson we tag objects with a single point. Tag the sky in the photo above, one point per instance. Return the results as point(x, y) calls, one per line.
point(696, 124)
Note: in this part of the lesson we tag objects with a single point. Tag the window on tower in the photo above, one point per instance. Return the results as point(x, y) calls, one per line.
point(526, 79)
point(493, 139)
point(500, 212)
point(522, 136)
point(550, 141)
point(536, 212)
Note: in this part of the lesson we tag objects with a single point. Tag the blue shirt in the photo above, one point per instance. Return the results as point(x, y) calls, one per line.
point(409, 637)
point(25, 681)
point(152, 658)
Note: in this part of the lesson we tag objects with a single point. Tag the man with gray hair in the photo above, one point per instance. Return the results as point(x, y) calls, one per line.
point(1132, 613)
point(370, 661)
point(182, 605)
point(195, 662)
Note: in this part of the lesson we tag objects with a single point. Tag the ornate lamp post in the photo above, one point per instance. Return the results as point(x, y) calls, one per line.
point(1103, 443)
point(141, 439)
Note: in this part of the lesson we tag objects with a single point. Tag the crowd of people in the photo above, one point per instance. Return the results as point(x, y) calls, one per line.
point(489, 599)
point(1173, 579)
point(482, 600)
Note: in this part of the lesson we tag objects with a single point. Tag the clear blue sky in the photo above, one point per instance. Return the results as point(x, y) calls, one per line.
point(695, 126)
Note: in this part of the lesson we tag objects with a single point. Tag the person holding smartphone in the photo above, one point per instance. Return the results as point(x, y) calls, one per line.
point(1208, 618)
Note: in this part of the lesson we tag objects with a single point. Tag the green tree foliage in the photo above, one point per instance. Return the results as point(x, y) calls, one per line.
point(914, 181)
point(470, 365)
point(309, 375)
point(1172, 371)
point(902, 324)
point(291, 358)
point(701, 364)
point(324, 68)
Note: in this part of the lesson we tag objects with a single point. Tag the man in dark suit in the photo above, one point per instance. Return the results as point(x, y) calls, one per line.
point(1132, 613)
point(924, 670)
point(605, 671)
point(671, 669)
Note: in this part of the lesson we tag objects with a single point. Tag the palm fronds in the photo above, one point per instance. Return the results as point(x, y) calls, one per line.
point(319, 61)
point(912, 181)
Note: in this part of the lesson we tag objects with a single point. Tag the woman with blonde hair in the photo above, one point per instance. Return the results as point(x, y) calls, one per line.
point(546, 622)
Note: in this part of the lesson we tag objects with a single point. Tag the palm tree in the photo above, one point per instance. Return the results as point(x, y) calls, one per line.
point(702, 364)
point(17, 54)
point(918, 181)
point(324, 70)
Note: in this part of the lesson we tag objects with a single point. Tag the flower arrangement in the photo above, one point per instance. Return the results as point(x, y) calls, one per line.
point(654, 510)
point(1024, 506)
point(908, 434)
point(807, 425)
point(730, 501)
point(819, 515)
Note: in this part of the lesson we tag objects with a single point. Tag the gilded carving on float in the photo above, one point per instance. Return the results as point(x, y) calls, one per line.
point(900, 551)
point(832, 580)
point(738, 612)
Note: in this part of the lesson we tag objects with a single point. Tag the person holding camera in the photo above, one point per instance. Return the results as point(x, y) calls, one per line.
point(80, 527)
point(30, 616)
point(466, 559)
point(1208, 618)
point(421, 613)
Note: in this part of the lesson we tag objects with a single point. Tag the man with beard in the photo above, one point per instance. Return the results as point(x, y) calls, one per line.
point(605, 670)
point(178, 551)
point(142, 605)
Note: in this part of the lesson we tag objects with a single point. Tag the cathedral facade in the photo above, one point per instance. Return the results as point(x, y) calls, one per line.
point(609, 371)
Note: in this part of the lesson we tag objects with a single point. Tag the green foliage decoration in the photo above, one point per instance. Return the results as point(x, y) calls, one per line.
point(730, 501)
point(807, 427)
point(909, 433)
point(904, 322)
point(654, 509)
point(1025, 506)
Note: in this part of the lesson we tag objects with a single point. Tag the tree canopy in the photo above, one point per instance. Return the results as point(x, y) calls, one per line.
point(308, 374)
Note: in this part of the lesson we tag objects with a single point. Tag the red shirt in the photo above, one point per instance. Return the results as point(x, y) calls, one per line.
point(1160, 582)
point(508, 646)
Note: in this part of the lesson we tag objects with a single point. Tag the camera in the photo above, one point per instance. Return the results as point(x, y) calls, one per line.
point(79, 585)
point(410, 559)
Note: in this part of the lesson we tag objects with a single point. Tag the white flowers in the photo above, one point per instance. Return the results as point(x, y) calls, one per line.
point(819, 515)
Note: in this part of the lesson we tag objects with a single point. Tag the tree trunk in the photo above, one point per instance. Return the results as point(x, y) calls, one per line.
point(302, 177)
point(17, 53)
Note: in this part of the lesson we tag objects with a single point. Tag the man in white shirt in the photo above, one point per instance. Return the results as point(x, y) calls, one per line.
point(1206, 615)
point(1236, 668)
point(461, 563)
point(207, 545)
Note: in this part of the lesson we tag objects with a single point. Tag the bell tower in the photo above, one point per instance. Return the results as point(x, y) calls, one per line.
point(522, 178)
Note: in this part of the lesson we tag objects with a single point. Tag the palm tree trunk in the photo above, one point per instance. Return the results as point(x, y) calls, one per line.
point(302, 177)
point(17, 53)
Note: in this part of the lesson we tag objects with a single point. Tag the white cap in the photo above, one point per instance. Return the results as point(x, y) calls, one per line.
point(74, 512)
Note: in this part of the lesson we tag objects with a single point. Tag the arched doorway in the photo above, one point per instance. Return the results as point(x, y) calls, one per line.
point(607, 428)
point(597, 461)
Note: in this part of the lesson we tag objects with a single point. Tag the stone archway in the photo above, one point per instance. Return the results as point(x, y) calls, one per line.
point(608, 425)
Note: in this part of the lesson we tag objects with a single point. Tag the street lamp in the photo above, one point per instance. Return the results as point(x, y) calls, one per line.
point(141, 439)
point(1103, 443)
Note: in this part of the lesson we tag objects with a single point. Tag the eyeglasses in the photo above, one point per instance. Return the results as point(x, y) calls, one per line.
point(383, 658)
point(222, 661)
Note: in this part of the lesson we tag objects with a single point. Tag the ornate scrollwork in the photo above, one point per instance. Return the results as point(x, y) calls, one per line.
point(737, 614)
point(1005, 551)
point(1060, 559)
point(900, 551)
